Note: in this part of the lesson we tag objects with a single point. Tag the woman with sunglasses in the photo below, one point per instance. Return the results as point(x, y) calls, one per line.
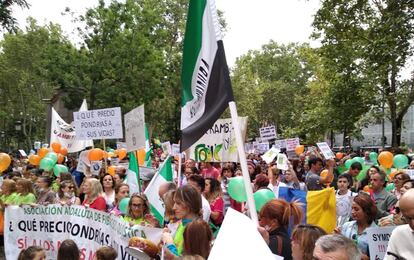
point(139, 212)
point(66, 194)
point(399, 178)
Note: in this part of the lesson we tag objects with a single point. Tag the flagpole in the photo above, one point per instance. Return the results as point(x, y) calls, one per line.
point(243, 162)
point(179, 170)
point(138, 174)
point(104, 147)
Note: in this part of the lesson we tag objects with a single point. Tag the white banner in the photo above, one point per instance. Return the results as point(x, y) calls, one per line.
point(64, 133)
point(134, 129)
point(49, 226)
point(378, 238)
point(218, 144)
point(98, 124)
point(268, 133)
point(326, 150)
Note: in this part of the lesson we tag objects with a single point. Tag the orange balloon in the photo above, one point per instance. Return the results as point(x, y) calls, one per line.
point(105, 155)
point(141, 157)
point(111, 170)
point(366, 188)
point(339, 156)
point(122, 153)
point(95, 154)
point(385, 159)
point(5, 161)
point(63, 151)
point(299, 149)
point(60, 159)
point(56, 147)
point(42, 152)
point(34, 159)
point(326, 174)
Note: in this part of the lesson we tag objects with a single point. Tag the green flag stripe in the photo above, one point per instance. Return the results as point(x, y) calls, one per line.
point(192, 45)
point(157, 215)
point(166, 171)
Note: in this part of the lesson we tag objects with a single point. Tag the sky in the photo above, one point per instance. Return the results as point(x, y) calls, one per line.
point(250, 23)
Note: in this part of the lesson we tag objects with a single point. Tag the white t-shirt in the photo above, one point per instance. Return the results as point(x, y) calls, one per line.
point(275, 188)
point(401, 243)
point(206, 209)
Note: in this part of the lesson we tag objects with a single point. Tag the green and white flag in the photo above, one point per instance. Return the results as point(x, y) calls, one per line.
point(206, 87)
point(148, 148)
point(165, 174)
point(133, 174)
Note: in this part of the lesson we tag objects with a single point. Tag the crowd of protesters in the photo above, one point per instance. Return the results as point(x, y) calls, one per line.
point(196, 204)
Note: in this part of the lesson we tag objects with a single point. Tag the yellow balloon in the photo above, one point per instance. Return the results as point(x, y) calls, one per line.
point(5, 161)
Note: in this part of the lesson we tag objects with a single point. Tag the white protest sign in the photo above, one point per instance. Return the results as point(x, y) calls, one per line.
point(166, 147)
point(292, 143)
point(98, 124)
point(326, 150)
point(262, 147)
point(410, 173)
point(280, 144)
point(120, 145)
point(96, 167)
point(83, 162)
point(23, 153)
point(49, 226)
point(36, 145)
point(378, 238)
point(282, 161)
point(232, 238)
point(270, 155)
point(134, 129)
point(218, 144)
point(268, 133)
point(175, 149)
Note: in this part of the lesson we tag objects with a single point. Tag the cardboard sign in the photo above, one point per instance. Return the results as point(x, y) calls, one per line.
point(270, 155)
point(378, 238)
point(218, 144)
point(268, 133)
point(292, 143)
point(282, 162)
point(410, 172)
point(280, 144)
point(326, 150)
point(134, 129)
point(98, 124)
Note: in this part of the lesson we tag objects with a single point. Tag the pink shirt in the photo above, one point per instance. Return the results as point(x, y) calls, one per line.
point(210, 173)
point(218, 206)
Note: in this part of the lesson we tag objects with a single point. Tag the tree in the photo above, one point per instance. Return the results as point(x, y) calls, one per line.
point(27, 77)
point(378, 37)
point(8, 22)
point(270, 86)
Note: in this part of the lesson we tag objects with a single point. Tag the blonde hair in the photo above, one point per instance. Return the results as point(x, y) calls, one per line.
point(96, 189)
point(11, 185)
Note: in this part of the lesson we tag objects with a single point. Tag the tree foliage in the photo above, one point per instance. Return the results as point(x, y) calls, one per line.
point(8, 22)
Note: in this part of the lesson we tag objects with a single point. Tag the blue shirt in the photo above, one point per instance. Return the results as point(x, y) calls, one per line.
point(350, 230)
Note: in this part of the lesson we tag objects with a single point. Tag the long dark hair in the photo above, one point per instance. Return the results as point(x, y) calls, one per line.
point(68, 250)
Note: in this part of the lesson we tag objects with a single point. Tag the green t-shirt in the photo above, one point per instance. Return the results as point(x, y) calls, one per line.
point(137, 221)
point(55, 186)
point(25, 199)
point(9, 199)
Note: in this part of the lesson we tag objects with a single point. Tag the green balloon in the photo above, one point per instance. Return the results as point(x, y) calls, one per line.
point(400, 161)
point(261, 197)
point(236, 189)
point(360, 160)
point(348, 163)
point(47, 164)
point(341, 168)
point(123, 205)
point(363, 173)
point(373, 156)
point(59, 168)
point(52, 156)
point(390, 187)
